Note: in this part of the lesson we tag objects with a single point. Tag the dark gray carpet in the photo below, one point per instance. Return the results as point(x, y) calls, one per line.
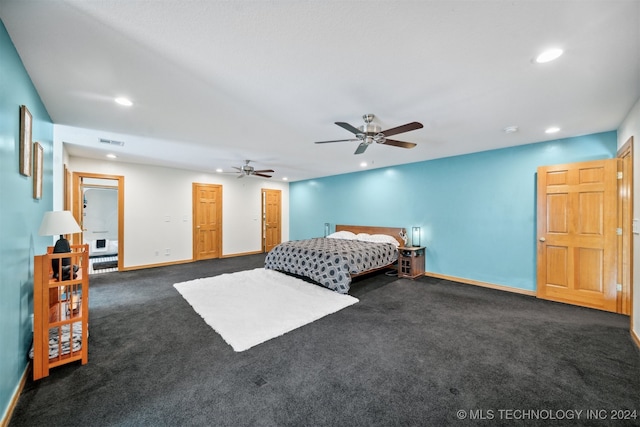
point(410, 353)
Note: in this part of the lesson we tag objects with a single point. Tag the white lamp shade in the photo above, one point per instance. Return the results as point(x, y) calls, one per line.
point(58, 222)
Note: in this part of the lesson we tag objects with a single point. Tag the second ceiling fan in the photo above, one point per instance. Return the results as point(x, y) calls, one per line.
point(248, 170)
point(371, 132)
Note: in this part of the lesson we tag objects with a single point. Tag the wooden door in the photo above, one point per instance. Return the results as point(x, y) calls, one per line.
point(577, 233)
point(271, 219)
point(207, 221)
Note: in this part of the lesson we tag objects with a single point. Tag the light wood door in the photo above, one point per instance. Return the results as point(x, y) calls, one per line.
point(577, 233)
point(207, 221)
point(271, 219)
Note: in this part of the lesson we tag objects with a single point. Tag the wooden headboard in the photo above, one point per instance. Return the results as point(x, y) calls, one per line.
point(391, 231)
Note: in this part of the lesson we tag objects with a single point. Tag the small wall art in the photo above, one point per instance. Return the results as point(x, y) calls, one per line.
point(38, 158)
point(25, 141)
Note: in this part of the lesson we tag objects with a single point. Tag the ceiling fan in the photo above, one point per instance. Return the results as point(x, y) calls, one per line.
point(371, 132)
point(247, 170)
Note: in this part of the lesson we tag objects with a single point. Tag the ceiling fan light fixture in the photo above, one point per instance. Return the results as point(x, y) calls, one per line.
point(379, 138)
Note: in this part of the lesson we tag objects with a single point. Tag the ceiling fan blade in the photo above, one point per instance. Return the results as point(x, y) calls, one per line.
point(361, 148)
point(261, 174)
point(337, 140)
point(399, 143)
point(239, 169)
point(264, 170)
point(348, 127)
point(403, 128)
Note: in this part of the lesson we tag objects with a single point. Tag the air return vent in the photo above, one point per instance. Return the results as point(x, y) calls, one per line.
point(111, 142)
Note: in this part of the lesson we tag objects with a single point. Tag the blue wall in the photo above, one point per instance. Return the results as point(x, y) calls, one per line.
point(477, 212)
point(20, 216)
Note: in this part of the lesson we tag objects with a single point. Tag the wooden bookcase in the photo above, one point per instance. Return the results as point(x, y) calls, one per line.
point(60, 311)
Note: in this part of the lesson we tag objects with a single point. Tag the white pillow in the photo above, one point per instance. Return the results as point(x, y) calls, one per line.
point(382, 238)
point(363, 236)
point(342, 235)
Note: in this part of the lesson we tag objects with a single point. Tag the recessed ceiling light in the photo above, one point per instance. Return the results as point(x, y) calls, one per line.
point(284, 178)
point(552, 129)
point(219, 170)
point(510, 129)
point(549, 55)
point(363, 164)
point(112, 156)
point(124, 101)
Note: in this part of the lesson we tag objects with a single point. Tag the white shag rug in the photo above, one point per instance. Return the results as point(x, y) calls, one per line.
point(250, 307)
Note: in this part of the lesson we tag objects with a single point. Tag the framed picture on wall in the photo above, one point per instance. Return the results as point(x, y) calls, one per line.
point(25, 141)
point(38, 158)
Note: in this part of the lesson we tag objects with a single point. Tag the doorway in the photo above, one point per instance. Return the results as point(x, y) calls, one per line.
point(98, 206)
point(207, 221)
point(271, 218)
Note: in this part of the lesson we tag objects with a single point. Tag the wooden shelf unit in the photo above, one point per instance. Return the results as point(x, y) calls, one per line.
point(411, 261)
point(60, 311)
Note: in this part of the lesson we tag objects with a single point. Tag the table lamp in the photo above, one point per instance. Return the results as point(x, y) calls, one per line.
point(415, 236)
point(59, 223)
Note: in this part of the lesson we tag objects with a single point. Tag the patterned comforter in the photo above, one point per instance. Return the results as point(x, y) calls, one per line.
point(330, 262)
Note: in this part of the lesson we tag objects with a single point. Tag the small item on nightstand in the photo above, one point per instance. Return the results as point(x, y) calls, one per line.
point(415, 237)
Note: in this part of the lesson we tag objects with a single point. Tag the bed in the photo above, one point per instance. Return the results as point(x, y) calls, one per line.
point(334, 260)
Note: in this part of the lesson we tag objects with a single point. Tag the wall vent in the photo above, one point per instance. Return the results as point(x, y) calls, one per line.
point(111, 142)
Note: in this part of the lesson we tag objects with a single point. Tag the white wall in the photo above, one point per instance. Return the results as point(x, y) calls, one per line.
point(631, 127)
point(158, 210)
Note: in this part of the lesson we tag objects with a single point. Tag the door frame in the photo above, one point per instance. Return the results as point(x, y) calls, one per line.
point(625, 220)
point(77, 211)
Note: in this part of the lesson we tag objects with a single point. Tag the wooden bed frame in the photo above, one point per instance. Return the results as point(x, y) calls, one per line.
point(391, 231)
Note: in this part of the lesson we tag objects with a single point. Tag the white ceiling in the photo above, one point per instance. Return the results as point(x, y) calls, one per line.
point(217, 82)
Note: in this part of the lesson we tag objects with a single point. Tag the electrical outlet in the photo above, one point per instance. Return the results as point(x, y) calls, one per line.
point(167, 251)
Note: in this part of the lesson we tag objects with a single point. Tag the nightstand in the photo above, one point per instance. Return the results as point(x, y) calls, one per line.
point(411, 261)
